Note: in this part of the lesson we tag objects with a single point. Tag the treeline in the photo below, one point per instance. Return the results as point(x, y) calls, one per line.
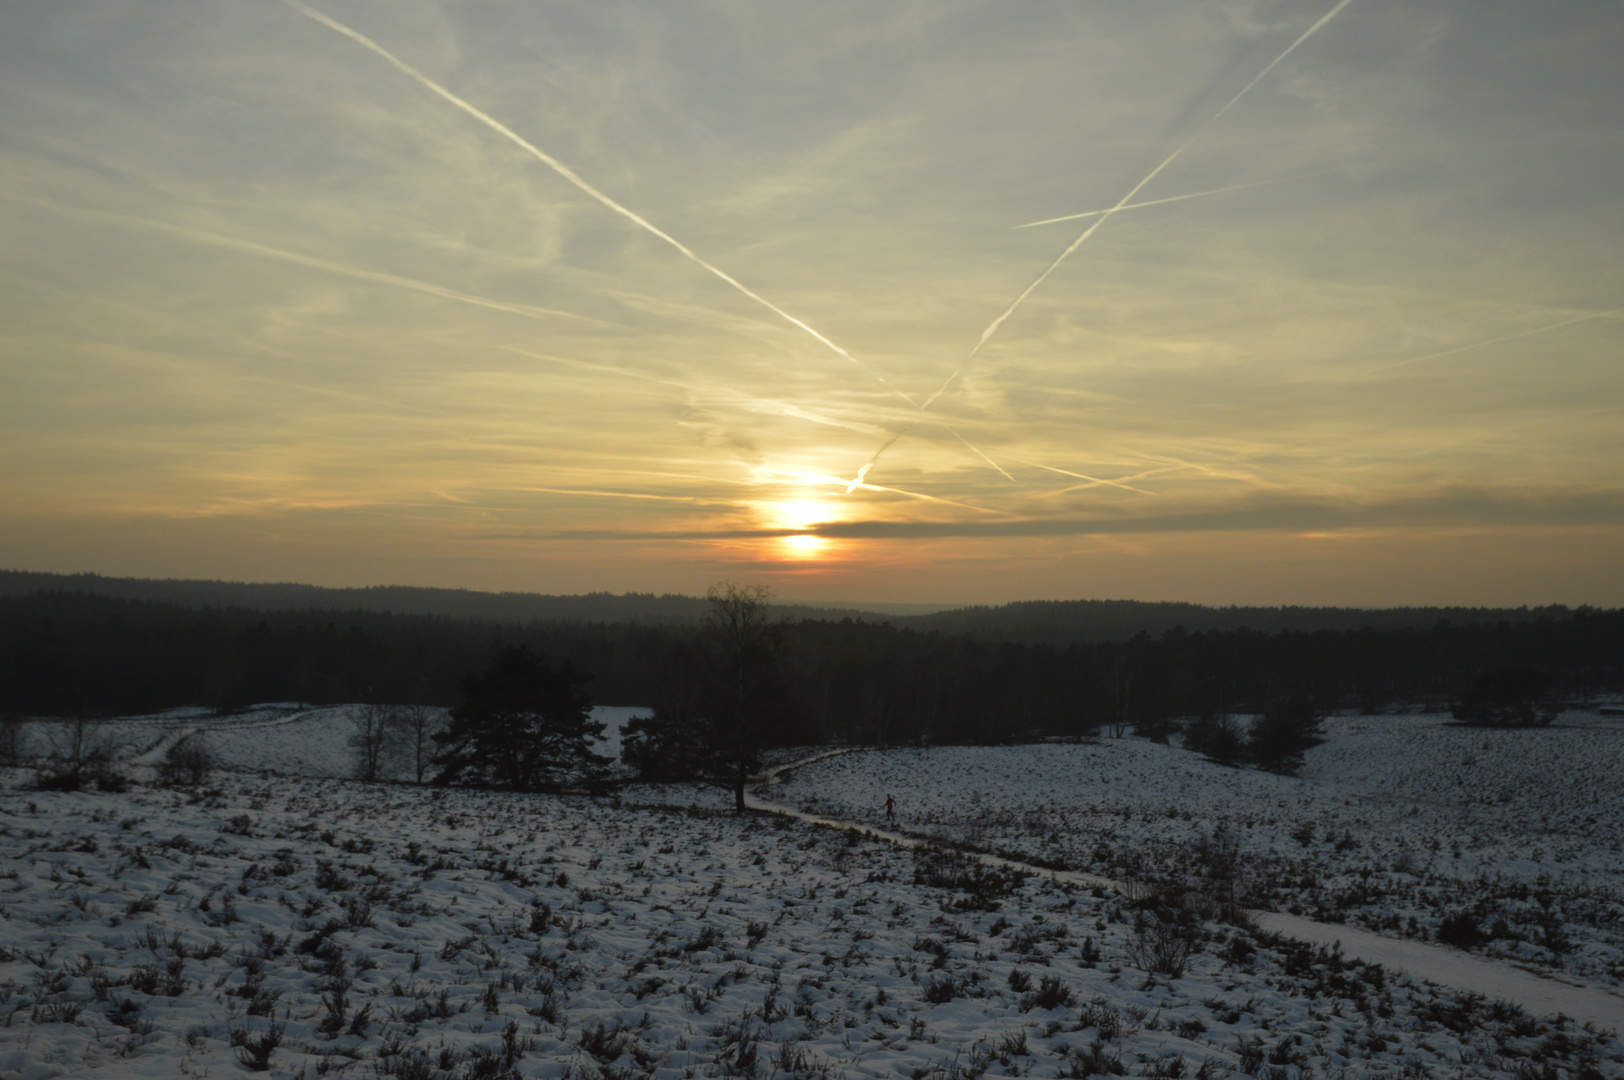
point(1063, 622)
point(71, 653)
point(75, 654)
point(866, 682)
point(499, 607)
point(1034, 622)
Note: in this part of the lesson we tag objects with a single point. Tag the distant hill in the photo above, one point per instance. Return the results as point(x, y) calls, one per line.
point(1046, 622)
point(1062, 622)
point(396, 599)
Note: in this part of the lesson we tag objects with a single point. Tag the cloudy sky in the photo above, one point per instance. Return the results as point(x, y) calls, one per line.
point(557, 296)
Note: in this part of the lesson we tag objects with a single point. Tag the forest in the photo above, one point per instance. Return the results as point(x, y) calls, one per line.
point(70, 653)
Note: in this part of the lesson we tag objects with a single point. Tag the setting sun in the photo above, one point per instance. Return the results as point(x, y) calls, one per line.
point(800, 514)
point(385, 294)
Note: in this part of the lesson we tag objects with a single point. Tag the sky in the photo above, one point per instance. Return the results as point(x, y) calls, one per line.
point(563, 297)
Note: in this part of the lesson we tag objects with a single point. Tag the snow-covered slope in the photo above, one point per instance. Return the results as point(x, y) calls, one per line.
point(286, 739)
point(1396, 825)
point(315, 925)
point(286, 916)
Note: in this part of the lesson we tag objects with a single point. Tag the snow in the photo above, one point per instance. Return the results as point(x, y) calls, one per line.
point(1542, 992)
point(654, 934)
point(285, 739)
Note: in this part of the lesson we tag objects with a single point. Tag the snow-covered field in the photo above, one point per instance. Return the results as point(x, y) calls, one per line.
point(1397, 824)
point(285, 739)
point(317, 925)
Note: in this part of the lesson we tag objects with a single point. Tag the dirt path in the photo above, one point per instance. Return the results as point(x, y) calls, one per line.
point(1539, 993)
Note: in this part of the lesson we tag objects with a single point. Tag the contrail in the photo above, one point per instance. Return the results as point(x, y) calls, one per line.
point(822, 479)
point(606, 494)
point(992, 328)
point(250, 247)
point(566, 172)
point(1613, 314)
point(363, 274)
point(1159, 202)
point(569, 174)
point(767, 406)
point(1093, 481)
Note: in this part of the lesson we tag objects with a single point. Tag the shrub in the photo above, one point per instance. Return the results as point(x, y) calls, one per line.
point(255, 1051)
point(1052, 993)
point(1163, 942)
point(187, 763)
point(1461, 930)
point(1095, 1061)
point(59, 780)
point(79, 751)
point(983, 887)
point(1158, 729)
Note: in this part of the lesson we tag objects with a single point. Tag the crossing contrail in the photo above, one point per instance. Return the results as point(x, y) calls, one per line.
point(835, 480)
point(1093, 481)
point(992, 328)
point(569, 174)
point(1159, 202)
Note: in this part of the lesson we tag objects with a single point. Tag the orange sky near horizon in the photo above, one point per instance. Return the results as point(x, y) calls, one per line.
point(626, 297)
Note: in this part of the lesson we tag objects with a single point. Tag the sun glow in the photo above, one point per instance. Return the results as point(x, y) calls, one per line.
point(799, 514)
point(803, 546)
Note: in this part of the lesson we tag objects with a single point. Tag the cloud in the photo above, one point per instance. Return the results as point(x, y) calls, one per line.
point(316, 283)
point(993, 327)
point(1446, 508)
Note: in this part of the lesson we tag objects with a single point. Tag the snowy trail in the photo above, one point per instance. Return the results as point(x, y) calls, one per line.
point(1538, 993)
point(155, 753)
point(177, 732)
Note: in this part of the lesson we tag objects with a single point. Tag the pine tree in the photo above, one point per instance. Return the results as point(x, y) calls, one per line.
point(521, 725)
point(1286, 729)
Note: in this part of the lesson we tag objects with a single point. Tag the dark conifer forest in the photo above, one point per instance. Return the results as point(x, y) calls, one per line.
point(941, 678)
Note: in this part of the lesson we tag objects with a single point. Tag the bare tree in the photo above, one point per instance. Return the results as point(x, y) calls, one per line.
point(713, 718)
point(417, 725)
point(79, 751)
point(13, 740)
point(77, 744)
point(372, 739)
point(745, 644)
point(1121, 691)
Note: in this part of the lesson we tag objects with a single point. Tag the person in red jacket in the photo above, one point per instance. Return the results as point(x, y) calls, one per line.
point(890, 808)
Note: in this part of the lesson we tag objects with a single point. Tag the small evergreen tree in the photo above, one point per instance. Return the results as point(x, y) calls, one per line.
point(1158, 728)
point(1217, 736)
point(1287, 728)
point(674, 743)
point(1509, 697)
point(521, 725)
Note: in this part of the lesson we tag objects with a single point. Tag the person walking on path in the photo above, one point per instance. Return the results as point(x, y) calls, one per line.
point(890, 808)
